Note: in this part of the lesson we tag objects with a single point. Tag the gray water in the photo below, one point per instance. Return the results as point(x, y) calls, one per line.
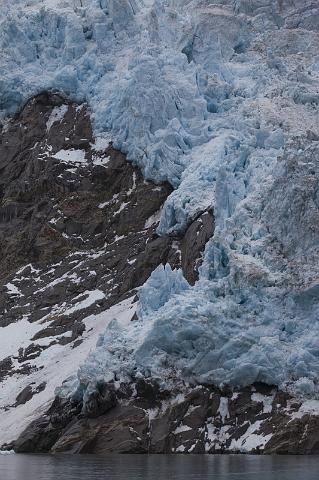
point(158, 467)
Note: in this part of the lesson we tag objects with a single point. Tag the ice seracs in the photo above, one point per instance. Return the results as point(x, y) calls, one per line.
point(221, 100)
point(162, 284)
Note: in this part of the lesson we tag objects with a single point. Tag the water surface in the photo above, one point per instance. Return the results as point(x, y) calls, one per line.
point(158, 467)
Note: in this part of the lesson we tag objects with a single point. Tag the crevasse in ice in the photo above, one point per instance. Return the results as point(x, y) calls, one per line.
point(220, 99)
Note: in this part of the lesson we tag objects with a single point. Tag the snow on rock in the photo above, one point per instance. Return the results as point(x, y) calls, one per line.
point(223, 408)
point(13, 289)
point(17, 335)
point(57, 115)
point(181, 429)
point(101, 143)
point(89, 298)
point(309, 406)
point(266, 400)
point(52, 366)
point(70, 156)
point(251, 440)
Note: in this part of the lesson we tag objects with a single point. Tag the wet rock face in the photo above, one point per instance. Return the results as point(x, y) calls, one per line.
point(258, 419)
point(77, 235)
point(27, 393)
point(51, 207)
point(30, 182)
point(63, 199)
point(99, 402)
point(196, 236)
point(45, 431)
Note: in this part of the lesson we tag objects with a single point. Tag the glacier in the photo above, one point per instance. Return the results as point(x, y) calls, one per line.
point(220, 99)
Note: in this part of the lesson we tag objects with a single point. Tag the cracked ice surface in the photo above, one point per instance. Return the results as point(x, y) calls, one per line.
point(221, 99)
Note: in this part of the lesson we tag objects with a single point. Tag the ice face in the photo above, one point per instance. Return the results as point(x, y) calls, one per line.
point(220, 99)
point(160, 287)
point(253, 314)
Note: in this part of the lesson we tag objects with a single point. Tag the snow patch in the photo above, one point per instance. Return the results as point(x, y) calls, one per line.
point(101, 143)
point(71, 156)
point(13, 290)
point(223, 408)
point(266, 400)
point(53, 366)
point(56, 115)
point(251, 440)
point(181, 429)
point(91, 297)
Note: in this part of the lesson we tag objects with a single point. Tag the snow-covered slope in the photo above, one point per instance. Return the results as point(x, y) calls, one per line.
point(49, 369)
point(220, 99)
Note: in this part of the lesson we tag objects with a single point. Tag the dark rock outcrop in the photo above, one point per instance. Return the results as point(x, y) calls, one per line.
point(46, 430)
point(193, 244)
point(99, 402)
point(27, 393)
point(258, 419)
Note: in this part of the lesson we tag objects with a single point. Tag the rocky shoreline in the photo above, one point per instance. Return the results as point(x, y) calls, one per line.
point(140, 418)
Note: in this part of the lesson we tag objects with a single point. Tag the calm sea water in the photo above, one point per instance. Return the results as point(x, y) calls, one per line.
point(158, 467)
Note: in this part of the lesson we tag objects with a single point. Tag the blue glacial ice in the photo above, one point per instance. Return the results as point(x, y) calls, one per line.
point(153, 296)
point(221, 100)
